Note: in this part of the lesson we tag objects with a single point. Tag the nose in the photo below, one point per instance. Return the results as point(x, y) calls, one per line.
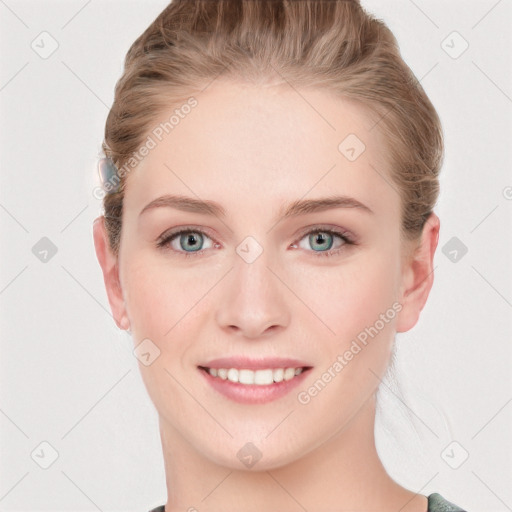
point(253, 302)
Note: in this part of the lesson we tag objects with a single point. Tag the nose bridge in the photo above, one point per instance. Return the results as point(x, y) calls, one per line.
point(252, 269)
point(253, 255)
point(253, 300)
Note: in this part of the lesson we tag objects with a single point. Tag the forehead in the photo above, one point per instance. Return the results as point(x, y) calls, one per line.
point(267, 143)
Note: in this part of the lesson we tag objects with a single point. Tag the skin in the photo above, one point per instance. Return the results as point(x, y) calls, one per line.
point(253, 149)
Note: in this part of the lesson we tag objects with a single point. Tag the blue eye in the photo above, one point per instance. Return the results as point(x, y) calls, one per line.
point(190, 241)
point(320, 238)
point(191, 238)
point(323, 240)
point(188, 238)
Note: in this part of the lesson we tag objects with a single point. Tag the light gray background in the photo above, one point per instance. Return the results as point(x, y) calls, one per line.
point(68, 374)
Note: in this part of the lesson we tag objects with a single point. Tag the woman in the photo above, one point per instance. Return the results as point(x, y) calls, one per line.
point(244, 136)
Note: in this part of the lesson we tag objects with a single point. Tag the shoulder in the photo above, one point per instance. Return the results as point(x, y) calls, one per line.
point(436, 503)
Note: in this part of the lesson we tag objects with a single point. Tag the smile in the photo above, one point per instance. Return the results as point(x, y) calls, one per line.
point(259, 377)
point(254, 386)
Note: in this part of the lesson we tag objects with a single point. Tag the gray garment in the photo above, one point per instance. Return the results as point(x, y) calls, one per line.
point(436, 503)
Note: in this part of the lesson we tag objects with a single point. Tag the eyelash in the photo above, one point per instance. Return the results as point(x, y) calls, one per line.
point(166, 238)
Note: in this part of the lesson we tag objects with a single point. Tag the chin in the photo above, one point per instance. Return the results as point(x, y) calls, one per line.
point(253, 456)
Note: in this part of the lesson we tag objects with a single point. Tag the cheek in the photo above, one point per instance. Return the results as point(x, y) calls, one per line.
point(357, 306)
point(163, 299)
point(357, 295)
point(154, 299)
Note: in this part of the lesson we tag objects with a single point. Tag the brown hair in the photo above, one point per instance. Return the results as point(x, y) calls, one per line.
point(330, 44)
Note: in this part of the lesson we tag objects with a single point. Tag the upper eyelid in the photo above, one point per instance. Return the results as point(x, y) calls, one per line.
point(324, 227)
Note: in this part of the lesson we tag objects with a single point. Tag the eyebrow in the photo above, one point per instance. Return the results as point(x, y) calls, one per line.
point(294, 209)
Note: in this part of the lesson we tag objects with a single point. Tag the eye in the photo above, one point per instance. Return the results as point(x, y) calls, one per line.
point(189, 241)
point(322, 241)
point(186, 241)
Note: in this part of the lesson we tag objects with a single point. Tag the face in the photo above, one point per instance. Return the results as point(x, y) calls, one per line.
point(322, 285)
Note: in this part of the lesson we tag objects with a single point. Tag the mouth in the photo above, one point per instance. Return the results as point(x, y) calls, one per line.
point(254, 386)
point(261, 377)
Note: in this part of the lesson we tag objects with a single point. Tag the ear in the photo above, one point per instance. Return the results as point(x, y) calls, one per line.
point(418, 276)
point(109, 266)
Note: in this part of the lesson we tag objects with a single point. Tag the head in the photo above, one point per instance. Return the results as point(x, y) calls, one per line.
point(257, 110)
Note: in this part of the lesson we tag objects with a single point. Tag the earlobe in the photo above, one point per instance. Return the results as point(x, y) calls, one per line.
point(418, 276)
point(109, 266)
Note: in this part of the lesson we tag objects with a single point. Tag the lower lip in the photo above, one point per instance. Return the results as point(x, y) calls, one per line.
point(253, 393)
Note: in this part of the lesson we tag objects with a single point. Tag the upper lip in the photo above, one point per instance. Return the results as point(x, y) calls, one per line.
point(255, 364)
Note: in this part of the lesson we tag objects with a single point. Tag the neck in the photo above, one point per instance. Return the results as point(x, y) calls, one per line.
point(343, 473)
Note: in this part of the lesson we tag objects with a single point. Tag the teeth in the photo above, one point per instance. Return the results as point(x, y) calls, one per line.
point(262, 377)
point(289, 373)
point(258, 377)
point(246, 377)
point(278, 375)
point(233, 375)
